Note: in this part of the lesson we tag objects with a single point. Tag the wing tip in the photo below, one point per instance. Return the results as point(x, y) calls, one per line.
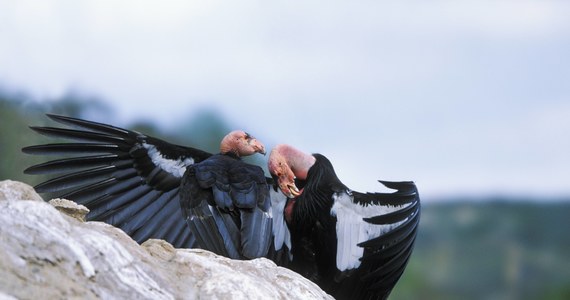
point(398, 184)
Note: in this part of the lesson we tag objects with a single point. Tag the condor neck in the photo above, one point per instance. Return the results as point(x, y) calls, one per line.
point(227, 146)
point(299, 162)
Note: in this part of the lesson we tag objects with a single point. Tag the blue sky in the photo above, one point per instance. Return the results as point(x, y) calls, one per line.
point(463, 97)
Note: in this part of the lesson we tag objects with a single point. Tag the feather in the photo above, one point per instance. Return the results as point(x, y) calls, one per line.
point(71, 148)
point(75, 179)
point(353, 230)
point(238, 223)
point(176, 167)
point(89, 125)
point(80, 135)
point(125, 178)
point(72, 164)
point(281, 234)
point(212, 232)
point(256, 232)
point(155, 216)
point(359, 247)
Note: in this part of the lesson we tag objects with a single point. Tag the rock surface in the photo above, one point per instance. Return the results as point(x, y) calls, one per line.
point(45, 254)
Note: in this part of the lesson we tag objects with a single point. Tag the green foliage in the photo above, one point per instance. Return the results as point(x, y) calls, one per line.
point(14, 134)
point(18, 112)
point(204, 130)
point(490, 250)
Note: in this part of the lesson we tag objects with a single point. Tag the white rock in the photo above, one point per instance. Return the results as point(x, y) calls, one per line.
point(47, 255)
point(70, 208)
point(15, 190)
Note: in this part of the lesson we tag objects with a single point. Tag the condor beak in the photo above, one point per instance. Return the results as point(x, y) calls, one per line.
point(257, 146)
point(293, 191)
point(290, 190)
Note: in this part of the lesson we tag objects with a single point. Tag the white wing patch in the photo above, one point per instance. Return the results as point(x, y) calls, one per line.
point(174, 167)
point(351, 229)
point(281, 233)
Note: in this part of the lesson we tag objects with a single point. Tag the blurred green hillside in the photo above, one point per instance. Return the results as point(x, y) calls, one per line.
point(204, 129)
point(492, 249)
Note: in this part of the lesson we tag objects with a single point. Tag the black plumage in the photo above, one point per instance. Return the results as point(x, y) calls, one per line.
point(315, 234)
point(191, 198)
point(111, 172)
point(226, 202)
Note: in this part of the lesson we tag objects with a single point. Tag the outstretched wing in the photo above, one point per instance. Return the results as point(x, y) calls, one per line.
point(125, 178)
point(375, 234)
point(226, 203)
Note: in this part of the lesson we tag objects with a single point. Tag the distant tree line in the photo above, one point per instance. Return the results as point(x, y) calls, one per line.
point(204, 129)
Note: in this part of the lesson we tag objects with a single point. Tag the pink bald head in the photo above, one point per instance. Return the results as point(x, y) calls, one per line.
point(241, 144)
point(287, 163)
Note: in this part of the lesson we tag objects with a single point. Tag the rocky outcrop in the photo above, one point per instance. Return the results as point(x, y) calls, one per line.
point(45, 254)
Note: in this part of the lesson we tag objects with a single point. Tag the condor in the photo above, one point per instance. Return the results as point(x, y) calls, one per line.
point(353, 245)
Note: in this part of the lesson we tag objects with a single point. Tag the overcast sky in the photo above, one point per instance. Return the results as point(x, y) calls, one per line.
point(463, 97)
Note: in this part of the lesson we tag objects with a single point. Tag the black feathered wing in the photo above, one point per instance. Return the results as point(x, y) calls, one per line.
point(375, 238)
point(228, 205)
point(125, 178)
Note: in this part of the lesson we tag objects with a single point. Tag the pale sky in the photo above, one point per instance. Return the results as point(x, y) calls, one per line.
point(462, 97)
